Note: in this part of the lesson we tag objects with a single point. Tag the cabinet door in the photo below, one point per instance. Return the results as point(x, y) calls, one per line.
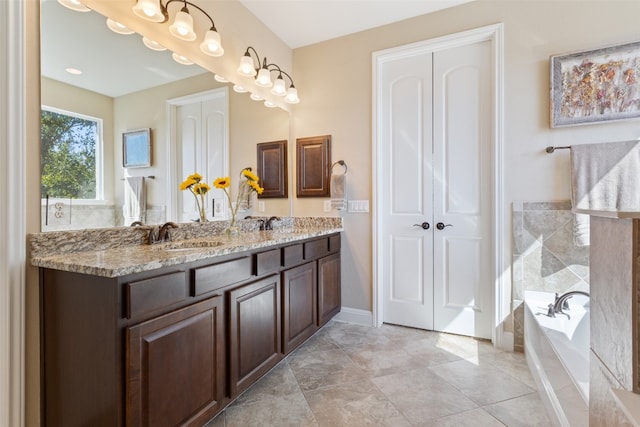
point(255, 340)
point(175, 367)
point(328, 287)
point(300, 310)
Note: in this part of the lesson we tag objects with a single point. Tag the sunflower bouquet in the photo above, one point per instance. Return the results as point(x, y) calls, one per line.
point(248, 185)
point(199, 189)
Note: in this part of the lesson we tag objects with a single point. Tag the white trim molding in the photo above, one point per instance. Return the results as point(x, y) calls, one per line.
point(354, 315)
point(12, 213)
point(500, 266)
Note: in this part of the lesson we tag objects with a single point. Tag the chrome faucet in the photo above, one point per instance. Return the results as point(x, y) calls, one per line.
point(258, 220)
point(163, 233)
point(561, 303)
point(269, 224)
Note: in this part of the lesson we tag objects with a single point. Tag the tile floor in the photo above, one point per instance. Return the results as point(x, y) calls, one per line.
point(352, 375)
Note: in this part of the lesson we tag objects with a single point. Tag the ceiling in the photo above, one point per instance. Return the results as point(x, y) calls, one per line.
point(297, 23)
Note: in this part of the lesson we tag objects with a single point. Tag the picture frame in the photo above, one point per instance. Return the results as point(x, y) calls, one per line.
point(272, 169)
point(595, 86)
point(136, 148)
point(313, 156)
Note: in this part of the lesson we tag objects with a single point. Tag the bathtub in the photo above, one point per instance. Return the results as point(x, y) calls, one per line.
point(557, 352)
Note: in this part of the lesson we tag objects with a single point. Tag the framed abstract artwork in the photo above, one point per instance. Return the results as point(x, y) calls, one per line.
point(595, 85)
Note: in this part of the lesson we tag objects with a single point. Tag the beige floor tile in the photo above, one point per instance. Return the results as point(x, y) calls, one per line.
point(524, 411)
point(474, 418)
point(277, 383)
point(420, 395)
point(353, 405)
point(325, 368)
point(286, 411)
point(484, 384)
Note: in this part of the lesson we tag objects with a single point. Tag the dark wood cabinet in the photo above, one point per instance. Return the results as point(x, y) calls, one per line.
point(174, 346)
point(176, 367)
point(254, 331)
point(300, 317)
point(329, 288)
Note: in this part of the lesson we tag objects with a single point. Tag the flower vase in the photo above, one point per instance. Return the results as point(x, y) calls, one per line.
point(233, 230)
point(203, 215)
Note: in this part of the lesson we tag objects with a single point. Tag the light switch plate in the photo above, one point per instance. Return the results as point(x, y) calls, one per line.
point(327, 205)
point(260, 206)
point(358, 206)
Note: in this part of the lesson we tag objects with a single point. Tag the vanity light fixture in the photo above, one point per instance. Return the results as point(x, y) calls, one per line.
point(182, 26)
point(117, 27)
point(240, 89)
point(220, 79)
point(256, 97)
point(74, 5)
point(262, 76)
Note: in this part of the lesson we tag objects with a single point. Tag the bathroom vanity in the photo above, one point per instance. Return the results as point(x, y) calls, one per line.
point(174, 343)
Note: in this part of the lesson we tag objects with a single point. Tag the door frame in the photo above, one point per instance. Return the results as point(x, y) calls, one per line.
point(173, 180)
point(501, 290)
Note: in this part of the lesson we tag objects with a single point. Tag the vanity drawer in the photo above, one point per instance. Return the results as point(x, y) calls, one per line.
point(148, 295)
point(268, 261)
point(216, 276)
point(292, 255)
point(316, 248)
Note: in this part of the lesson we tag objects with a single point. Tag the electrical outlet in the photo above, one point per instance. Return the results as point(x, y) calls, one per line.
point(260, 206)
point(327, 205)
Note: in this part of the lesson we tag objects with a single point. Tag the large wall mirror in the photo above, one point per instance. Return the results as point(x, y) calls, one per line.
point(124, 87)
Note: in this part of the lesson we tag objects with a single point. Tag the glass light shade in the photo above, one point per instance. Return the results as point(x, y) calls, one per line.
point(239, 89)
point(220, 79)
point(246, 67)
point(149, 10)
point(117, 27)
point(292, 96)
point(264, 78)
point(74, 5)
point(211, 45)
point(182, 27)
point(181, 59)
point(256, 97)
point(152, 44)
point(279, 87)
point(269, 104)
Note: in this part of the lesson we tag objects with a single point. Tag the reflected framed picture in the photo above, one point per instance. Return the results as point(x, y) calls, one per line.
point(595, 85)
point(136, 148)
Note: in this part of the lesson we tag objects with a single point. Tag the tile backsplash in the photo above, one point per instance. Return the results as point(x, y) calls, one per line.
point(545, 257)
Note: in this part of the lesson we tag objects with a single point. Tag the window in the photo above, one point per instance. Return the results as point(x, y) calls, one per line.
point(71, 155)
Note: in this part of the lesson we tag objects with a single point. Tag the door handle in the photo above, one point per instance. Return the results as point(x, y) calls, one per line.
point(441, 226)
point(425, 225)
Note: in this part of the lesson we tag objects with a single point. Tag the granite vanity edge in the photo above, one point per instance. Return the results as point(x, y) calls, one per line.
point(121, 261)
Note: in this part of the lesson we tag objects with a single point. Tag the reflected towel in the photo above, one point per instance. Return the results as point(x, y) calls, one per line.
point(135, 200)
point(338, 192)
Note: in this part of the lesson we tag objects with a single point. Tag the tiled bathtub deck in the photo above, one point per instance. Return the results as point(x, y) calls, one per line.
point(350, 375)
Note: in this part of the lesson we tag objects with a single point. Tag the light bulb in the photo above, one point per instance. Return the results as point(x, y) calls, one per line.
point(182, 27)
point(117, 27)
point(264, 78)
point(181, 59)
point(74, 5)
point(292, 96)
point(211, 45)
point(152, 44)
point(246, 67)
point(149, 10)
point(279, 87)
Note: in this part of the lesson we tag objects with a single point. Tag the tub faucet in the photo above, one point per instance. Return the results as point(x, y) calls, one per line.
point(561, 303)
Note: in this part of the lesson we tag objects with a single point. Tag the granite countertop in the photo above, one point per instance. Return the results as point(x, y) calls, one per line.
point(134, 258)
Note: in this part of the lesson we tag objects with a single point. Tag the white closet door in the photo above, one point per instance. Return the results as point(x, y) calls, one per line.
point(462, 192)
point(436, 110)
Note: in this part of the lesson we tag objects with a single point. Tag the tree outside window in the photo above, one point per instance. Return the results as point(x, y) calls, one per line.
point(68, 159)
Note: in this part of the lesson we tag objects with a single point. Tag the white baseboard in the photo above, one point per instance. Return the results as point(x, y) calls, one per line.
point(354, 315)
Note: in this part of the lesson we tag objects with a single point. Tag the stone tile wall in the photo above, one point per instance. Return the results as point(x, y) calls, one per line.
point(545, 257)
